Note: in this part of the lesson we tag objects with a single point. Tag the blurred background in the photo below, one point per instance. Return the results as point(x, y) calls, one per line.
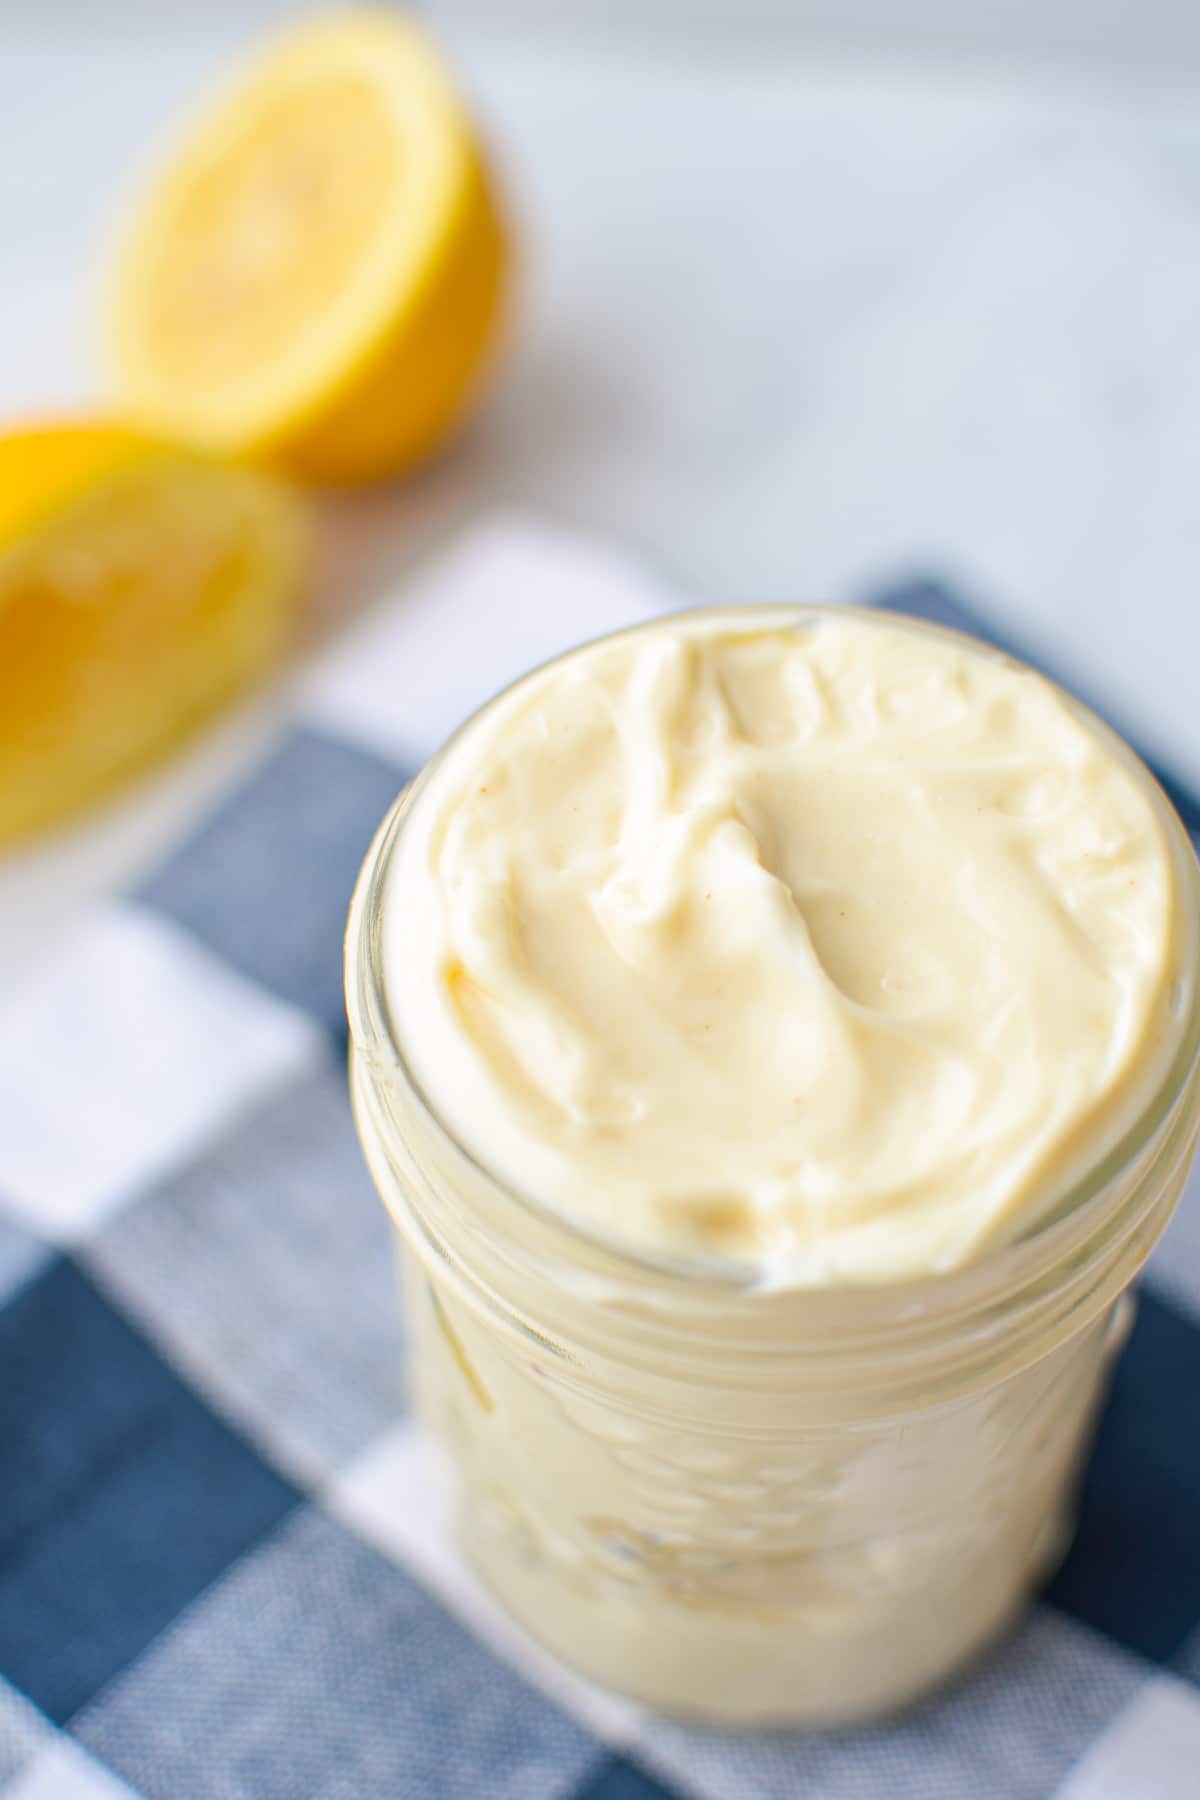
point(815, 295)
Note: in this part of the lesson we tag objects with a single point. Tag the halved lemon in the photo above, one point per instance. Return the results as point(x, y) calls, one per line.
point(318, 276)
point(139, 586)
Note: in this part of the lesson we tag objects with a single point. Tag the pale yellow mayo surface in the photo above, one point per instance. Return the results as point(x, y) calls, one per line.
point(834, 946)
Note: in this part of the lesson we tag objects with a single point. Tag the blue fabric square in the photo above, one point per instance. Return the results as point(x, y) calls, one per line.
point(1134, 1570)
point(23, 1733)
point(122, 1496)
point(267, 882)
point(618, 1779)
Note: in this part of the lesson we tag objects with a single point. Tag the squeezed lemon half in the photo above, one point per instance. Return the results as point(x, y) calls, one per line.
point(318, 275)
point(140, 586)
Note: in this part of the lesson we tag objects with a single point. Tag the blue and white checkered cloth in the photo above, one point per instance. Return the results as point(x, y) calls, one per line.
point(223, 1567)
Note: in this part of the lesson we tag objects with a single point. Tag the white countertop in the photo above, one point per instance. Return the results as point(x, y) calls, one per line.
point(794, 327)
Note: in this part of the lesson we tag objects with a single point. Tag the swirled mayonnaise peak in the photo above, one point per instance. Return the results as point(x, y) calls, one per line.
point(820, 942)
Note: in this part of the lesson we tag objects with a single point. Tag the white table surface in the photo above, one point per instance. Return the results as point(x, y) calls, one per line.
point(792, 326)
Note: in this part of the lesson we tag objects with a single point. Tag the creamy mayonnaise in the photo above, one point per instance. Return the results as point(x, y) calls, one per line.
point(712, 983)
point(831, 945)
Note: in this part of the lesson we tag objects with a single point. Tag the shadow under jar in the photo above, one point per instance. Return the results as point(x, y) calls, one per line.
point(741, 1505)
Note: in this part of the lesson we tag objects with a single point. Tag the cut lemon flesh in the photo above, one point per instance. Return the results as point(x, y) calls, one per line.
point(317, 277)
point(139, 587)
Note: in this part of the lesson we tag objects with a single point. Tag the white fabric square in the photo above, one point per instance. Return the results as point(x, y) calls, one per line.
point(398, 1496)
point(122, 1052)
point(508, 596)
point(1151, 1751)
point(23, 1732)
point(65, 1772)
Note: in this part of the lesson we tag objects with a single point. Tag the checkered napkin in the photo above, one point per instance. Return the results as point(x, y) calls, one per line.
point(223, 1569)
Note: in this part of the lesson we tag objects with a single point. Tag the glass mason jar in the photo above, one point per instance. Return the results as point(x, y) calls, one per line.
point(749, 1506)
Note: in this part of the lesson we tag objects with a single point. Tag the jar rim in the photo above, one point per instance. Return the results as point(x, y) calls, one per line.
point(374, 1036)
